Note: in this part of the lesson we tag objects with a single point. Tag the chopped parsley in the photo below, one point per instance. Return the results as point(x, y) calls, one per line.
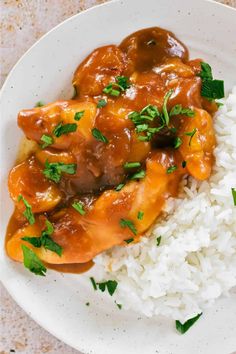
point(132, 164)
point(178, 109)
point(184, 163)
point(28, 210)
point(99, 136)
point(78, 115)
point(47, 140)
point(115, 88)
point(211, 89)
point(119, 187)
point(191, 134)
point(39, 104)
point(128, 223)
point(165, 116)
point(101, 103)
point(140, 215)
point(118, 305)
point(110, 285)
point(93, 283)
point(45, 240)
point(87, 304)
point(54, 170)
point(158, 240)
point(129, 240)
point(234, 195)
point(138, 175)
point(78, 206)
point(32, 262)
point(184, 327)
point(61, 129)
point(177, 142)
point(171, 169)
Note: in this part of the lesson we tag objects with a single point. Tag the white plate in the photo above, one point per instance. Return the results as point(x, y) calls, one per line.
point(57, 302)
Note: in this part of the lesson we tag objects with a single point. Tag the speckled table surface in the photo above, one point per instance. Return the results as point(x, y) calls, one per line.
point(22, 23)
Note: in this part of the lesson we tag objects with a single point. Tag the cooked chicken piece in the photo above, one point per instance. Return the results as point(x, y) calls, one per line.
point(41, 121)
point(100, 68)
point(105, 222)
point(27, 179)
point(198, 143)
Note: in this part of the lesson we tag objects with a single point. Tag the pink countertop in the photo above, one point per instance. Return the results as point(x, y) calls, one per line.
point(22, 23)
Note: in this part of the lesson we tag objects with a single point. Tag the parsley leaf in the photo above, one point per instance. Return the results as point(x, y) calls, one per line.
point(132, 164)
point(129, 240)
point(93, 283)
point(138, 175)
point(28, 210)
point(32, 262)
point(206, 72)
point(184, 327)
point(177, 142)
point(184, 163)
point(39, 104)
point(54, 170)
point(78, 115)
point(118, 305)
point(99, 136)
point(140, 215)
point(158, 240)
point(119, 187)
point(171, 169)
point(78, 206)
point(234, 195)
point(178, 109)
point(115, 88)
point(61, 129)
point(111, 286)
point(166, 117)
point(191, 134)
point(123, 82)
point(47, 140)
point(213, 89)
point(101, 103)
point(128, 223)
point(45, 240)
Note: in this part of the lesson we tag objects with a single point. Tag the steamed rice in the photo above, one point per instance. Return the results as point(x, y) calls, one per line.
point(195, 262)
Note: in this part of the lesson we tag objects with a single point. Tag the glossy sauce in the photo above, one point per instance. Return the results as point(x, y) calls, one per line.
point(155, 62)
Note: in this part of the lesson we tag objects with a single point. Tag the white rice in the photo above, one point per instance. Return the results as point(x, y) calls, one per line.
point(196, 260)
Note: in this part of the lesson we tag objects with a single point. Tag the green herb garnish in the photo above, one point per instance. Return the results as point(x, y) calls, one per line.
point(99, 136)
point(54, 170)
point(28, 210)
point(78, 115)
point(129, 240)
point(93, 283)
point(87, 304)
point(177, 142)
point(191, 134)
point(138, 175)
point(47, 140)
point(119, 187)
point(165, 116)
point(211, 89)
point(123, 82)
point(178, 109)
point(128, 223)
point(110, 285)
point(78, 206)
point(45, 240)
point(101, 103)
point(132, 164)
point(32, 262)
point(158, 240)
point(140, 215)
point(184, 163)
point(39, 104)
point(118, 305)
point(171, 169)
point(64, 129)
point(184, 327)
point(234, 195)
